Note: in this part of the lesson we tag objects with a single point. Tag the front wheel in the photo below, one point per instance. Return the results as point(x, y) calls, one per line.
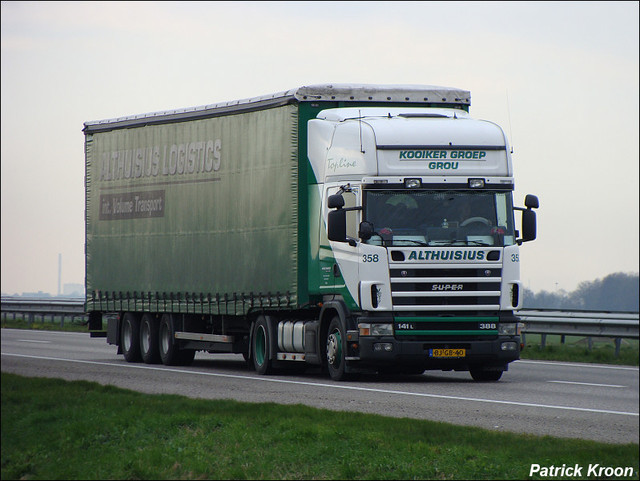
point(335, 351)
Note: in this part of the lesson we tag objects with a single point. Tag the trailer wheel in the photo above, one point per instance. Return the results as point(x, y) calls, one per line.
point(130, 337)
point(336, 348)
point(149, 343)
point(170, 352)
point(479, 374)
point(261, 347)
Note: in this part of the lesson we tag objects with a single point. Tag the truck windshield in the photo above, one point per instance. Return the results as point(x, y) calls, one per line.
point(440, 218)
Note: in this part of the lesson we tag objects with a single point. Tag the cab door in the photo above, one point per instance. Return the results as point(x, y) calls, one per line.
point(339, 260)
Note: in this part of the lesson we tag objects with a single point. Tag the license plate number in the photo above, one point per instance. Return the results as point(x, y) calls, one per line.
point(447, 352)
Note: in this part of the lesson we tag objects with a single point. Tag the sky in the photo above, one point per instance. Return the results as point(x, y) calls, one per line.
point(560, 78)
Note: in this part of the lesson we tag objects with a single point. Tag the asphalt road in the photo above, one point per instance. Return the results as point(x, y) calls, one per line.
point(587, 401)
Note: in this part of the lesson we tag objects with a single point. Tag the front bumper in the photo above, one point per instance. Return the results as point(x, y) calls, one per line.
point(486, 353)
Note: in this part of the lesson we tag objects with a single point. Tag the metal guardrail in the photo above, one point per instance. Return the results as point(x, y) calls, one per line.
point(32, 307)
point(589, 324)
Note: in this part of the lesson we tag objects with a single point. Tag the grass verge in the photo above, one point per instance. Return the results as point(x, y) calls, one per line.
point(576, 349)
point(55, 429)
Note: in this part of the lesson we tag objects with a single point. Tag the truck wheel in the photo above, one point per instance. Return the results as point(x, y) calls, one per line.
point(261, 347)
point(481, 375)
point(130, 337)
point(149, 343)
point(170, 352)
point(336, 347)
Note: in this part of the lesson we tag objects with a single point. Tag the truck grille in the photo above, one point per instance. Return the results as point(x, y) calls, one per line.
point(432, 287)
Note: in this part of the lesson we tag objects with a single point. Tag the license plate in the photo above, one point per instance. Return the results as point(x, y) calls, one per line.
point(447, 352)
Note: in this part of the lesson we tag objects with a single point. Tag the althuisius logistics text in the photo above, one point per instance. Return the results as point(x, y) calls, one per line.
point(177, 159)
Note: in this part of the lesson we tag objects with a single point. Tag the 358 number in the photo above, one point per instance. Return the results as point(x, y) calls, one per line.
point(370, 258)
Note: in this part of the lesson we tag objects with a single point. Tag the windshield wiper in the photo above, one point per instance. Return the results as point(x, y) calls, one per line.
point(478, 243)
point(455, 241)
point(398, 242)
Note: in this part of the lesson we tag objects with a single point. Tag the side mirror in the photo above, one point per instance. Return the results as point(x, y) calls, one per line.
point(337, 224)
point(366, 230)
point(531, 201)
point(529, 225)
point(335, 201)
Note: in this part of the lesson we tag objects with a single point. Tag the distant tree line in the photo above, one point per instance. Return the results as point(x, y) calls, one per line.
point(616, 292)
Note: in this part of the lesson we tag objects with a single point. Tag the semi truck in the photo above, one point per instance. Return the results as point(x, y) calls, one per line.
point(351, 227)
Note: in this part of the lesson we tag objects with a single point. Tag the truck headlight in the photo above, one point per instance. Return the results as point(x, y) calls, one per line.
point(367, 329)
point(412, 183)
point(507, 329)
point(476, 183)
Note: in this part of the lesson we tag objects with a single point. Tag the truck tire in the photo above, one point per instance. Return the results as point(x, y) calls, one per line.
point(335, 350)
point(479, 374)
point(130, 337)
point(170, 352)
point(149, 343)
point(261, 346)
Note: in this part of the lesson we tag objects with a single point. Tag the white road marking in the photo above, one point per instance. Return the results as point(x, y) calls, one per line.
point(588, 384)
point(31, 340)
point(330, 386)
point(581, 365)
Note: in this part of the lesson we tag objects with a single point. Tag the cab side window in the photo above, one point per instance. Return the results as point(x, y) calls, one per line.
point(351, 200)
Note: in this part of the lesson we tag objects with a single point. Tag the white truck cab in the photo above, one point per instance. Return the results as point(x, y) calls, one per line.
point(420, 224)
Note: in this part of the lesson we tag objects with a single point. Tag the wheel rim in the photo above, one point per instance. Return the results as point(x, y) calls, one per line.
point(260, 345)
point(165, 339)
point(127, 335)
point(145, 335)
point(334, 348)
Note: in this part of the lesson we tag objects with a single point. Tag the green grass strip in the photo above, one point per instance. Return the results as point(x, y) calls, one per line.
point(576, 349)
point(54, 429)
